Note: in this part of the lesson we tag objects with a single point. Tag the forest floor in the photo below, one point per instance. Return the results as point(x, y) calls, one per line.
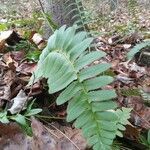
point(18, 9)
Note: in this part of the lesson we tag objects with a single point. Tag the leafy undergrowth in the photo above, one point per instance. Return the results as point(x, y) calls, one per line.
point(131, 83)
point(123, 20)
point(19, 56)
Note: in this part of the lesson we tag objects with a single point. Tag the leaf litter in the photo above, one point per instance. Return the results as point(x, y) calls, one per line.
point(16, 70)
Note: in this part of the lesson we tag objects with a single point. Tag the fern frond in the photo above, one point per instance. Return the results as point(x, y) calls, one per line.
point(66, 64)
point(130, 92)
point(145, 96)
point(78, 14)
point(137, 48)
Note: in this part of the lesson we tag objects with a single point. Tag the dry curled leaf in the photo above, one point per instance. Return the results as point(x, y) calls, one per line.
point(132, 132)
point(18, 102)
point(140, 115)
point(6, 80)
point(75, 135)
point(26, 68)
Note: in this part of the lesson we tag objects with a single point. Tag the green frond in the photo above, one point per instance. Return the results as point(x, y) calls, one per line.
point(130, 92)
point(67, 66)
point(145, 96)
point(78, 14)
point(137, 48)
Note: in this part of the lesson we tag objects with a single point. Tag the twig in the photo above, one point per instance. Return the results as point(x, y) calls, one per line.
point(50, 22)
point(41, 6)
point(48, 129)
point(49, 117)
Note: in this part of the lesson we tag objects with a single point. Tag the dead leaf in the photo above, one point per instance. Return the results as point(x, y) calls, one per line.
point(132, 38)
point(2, 46)
point(18, 55)
point(76, 136)
point(140, 115)
point(114, 39)
point(12, 137)
point(6, 80)
point(18, 102)
point(127, 46)
point(68, 137)
point(124, 79)
point(10, 37)
point(132, 132)
point(42, 140)
point(37, 38)
point(9, 61)
point(37, 88)
point(26, 68)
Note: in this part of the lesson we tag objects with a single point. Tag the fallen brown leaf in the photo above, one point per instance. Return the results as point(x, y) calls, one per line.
point(18, 102)
point(42, 140)
point(26, 68)
point(12, 137)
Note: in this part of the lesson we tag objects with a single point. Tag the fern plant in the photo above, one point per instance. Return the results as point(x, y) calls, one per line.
point(130, 92)
point(66, 65)
point(79, 15)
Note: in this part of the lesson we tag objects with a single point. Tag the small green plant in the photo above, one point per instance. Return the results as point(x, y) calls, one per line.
point(33, 55)
point(126, 28)
point(53, 26)
point(146, 141)
point(31, 50)
point(21, 119)
point(67, 66)
point(33, 22)
point(132, 7)
point(3, 26)
point(24, 45)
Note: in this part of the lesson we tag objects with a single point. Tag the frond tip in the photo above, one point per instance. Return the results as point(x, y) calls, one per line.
point(67, 65)
point(137, 48)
